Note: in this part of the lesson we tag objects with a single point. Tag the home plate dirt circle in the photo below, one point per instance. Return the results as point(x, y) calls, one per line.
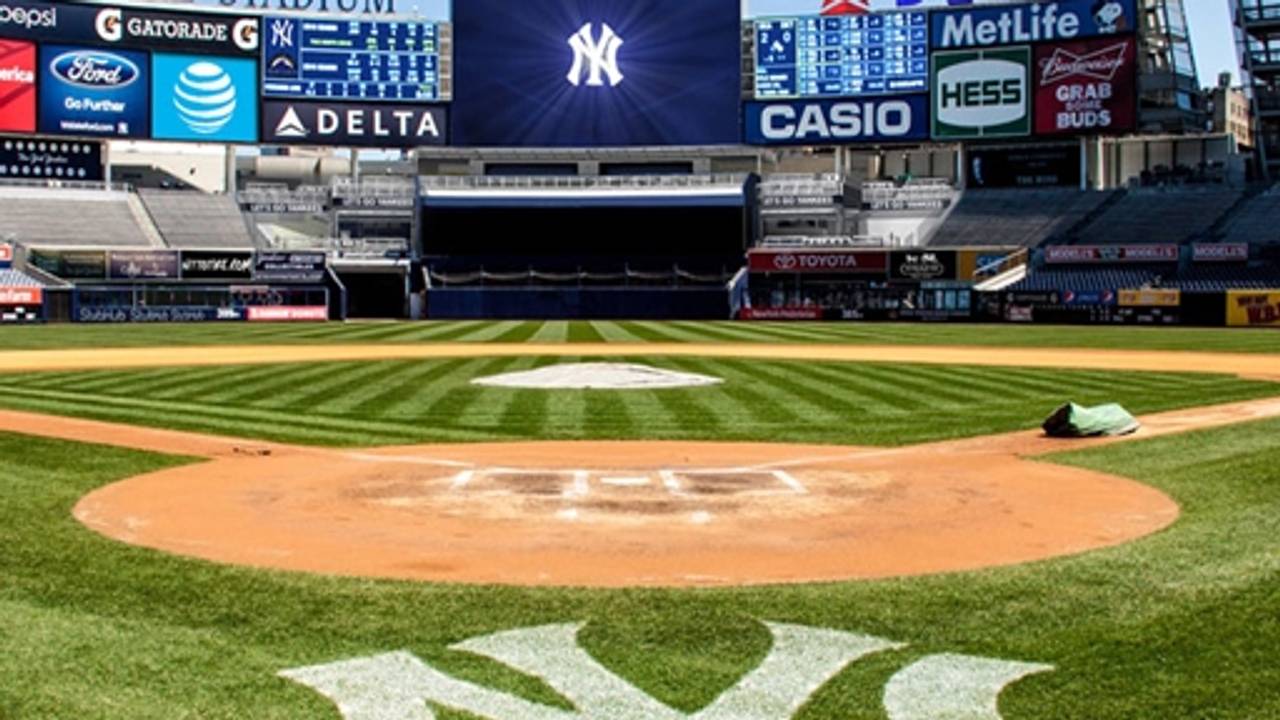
point(613, 514)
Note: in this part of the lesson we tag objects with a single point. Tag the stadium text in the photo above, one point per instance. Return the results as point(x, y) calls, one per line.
point(368, 7)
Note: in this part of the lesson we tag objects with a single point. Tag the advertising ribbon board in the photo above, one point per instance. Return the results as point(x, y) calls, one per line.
point(922, 265)
point(1253, 308)
point(288, 313)
point(289, 267)
point(1150, 298)
point(216, 265)
point(781, 313)
point(830, 263)
point(1080, 254)
point(142, 265)
point(1220, 252)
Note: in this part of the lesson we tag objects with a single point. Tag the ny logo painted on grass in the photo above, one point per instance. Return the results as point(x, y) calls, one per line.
point(398, 686)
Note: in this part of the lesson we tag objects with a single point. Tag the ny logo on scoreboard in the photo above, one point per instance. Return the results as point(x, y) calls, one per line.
point(595, 57)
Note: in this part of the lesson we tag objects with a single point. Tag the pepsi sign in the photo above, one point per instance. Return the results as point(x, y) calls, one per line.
point(91, 92)
point(38, 20)
point(1031, 23)
point(832, 122)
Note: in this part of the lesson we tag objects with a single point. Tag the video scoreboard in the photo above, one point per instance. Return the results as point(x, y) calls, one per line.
point(842, 55)
point(355, 60)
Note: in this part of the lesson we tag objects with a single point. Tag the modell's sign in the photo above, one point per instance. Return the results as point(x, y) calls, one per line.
point(1086, 87)
point(835, 263)
point(1066, 254)
point(1220, 252)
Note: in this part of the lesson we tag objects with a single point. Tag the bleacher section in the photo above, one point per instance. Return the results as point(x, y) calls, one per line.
point(190, 219)
point(17, 278)
point(1225, 277)
point(1160, 216)
point(1093, 278)
point(1016, 217)
point(1256, 221)
point(60, 216)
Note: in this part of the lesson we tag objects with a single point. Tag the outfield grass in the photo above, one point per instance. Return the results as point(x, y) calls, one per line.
point(1181, 624)
point(1141, 338)
point(401, 402)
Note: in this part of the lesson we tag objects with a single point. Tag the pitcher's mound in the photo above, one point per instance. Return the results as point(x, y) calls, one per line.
point(597, 376)
point(628, 513)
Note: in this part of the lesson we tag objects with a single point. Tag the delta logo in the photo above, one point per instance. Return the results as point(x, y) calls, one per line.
point(17, 86)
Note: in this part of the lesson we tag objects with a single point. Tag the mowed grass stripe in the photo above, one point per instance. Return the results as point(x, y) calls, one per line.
point(584, 332)
point(738, 390)
point(490, 404)
point(933, 384)
point(552, 331)
point(350, 389)
point(426, 386)
point(787, 381)
point(875, 389)
point(453, 404)
point(614, 332)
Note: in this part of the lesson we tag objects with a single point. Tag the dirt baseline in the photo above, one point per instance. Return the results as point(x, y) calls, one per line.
point(620, 514)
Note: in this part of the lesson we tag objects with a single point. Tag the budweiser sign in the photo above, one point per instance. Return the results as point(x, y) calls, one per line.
point(1100, 65)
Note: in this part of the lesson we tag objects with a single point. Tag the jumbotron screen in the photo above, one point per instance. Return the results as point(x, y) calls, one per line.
point(842, 55)
point(350, 59)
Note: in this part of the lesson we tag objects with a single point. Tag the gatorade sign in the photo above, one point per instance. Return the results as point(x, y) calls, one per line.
point(982, 94)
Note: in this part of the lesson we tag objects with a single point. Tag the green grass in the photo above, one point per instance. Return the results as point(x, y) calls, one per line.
point(1143, 338)
point(1181, 624)
point(399, 402)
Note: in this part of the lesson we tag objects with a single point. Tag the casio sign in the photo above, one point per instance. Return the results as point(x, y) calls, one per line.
point(818, 122)
point(982, 92)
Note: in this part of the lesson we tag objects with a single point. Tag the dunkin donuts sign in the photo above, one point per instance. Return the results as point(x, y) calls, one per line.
point(1086, 87)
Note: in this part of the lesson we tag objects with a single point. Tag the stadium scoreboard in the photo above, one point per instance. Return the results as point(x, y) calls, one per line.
point(355, 60)
point(842, 55)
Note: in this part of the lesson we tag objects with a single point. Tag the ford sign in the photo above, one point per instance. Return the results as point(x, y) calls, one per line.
point(94, 70)
point(831, 122)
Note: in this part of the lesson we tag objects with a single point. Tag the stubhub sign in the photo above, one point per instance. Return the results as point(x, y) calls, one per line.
point(902, 118)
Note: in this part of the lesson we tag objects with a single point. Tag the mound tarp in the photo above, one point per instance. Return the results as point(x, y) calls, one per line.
point(1072, 420)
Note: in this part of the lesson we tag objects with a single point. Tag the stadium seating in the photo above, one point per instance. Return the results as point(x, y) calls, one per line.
point(190, 219)
point(1160, 216)
point(59, 216)
point(1256, 220)
point(17, 278)
point(1093, 278)
point(1016, 217)
point(1216, 278)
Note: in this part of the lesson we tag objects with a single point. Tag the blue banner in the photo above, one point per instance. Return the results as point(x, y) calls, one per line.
point(39, 20)
point(596, 73)
point(991, 26)
point(902, 118)
point(204, 98)
point(90, 92)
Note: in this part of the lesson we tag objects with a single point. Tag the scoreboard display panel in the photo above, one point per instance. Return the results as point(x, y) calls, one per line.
point(356, 60)
point(841, 55)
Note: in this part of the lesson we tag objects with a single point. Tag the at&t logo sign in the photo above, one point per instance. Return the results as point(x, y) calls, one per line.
point(594, 57)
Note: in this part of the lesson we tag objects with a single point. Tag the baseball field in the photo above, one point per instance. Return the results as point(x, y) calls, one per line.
point(847, 521)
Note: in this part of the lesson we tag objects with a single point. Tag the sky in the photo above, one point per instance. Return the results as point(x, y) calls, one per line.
point(1209, 20)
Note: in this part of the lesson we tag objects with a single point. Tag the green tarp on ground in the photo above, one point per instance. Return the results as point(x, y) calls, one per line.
point(1072, 420)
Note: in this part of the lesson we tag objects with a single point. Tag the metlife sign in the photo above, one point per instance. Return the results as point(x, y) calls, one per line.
point(92, 92)
point(834, 122)
point(353, 124)
point(982, 94)
point(1031, 23)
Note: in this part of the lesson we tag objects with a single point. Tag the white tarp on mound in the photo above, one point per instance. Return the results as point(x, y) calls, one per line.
point(597, 376)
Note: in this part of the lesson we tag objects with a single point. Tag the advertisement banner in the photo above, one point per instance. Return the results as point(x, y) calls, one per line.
point(980, 264)
point(584, 73)
point(832, 122)
point(1253, 308)
point(86, 91)
point(920, 265)
point(1032, 23)
point(217, 265)
point(39, 20)
point(816, 262)
point(1220, 252)
point(21, 296)
point(288, 313)
point(158, 30)
point(1150, 298)
point(982, 94)
point(48, 158)
point(142, 265)
point(205, 99)
point(289, 266)
point(352, 124)
point(71, 264)
point(1064, 254)
point(1052, 166)
point(17, 86)
point(1087, 87)
point(1088, 297)
point(6, 256)
point(153, 314)
point(781, 313)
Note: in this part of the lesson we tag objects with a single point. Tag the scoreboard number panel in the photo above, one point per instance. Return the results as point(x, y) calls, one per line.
point(353, 60)
point(841, 56)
